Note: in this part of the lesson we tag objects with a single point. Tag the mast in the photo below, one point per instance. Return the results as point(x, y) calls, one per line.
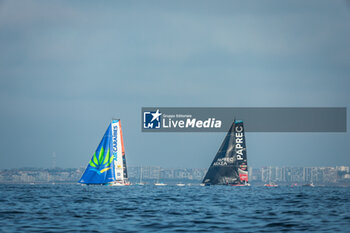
point(229, 166)
point(140, 174)
point(158, 175)
point(125, 171)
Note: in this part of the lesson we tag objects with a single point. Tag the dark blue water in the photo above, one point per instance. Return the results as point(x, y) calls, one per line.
point(74, 208)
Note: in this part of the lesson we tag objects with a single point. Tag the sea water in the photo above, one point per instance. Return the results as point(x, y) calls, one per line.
point(75, 208)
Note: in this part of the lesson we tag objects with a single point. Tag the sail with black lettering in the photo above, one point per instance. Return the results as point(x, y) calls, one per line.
point(108, 164)
point(229, 166)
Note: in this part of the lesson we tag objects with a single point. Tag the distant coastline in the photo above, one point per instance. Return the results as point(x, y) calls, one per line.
point(284, 176)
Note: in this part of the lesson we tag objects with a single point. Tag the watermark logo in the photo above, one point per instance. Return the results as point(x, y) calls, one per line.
point(271, 119)
point(151, 120)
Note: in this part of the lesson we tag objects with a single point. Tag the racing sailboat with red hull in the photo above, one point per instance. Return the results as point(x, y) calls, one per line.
point(229, 166)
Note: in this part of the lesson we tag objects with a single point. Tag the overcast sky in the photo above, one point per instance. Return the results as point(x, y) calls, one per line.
point(68, 67)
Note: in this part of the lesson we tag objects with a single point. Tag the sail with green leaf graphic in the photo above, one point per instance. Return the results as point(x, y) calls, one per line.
point(108, 163)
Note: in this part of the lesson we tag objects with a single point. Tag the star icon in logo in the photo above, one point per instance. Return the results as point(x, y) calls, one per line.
point(156, 115)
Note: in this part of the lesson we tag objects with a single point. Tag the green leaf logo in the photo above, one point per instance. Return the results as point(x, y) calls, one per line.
point(103, 159)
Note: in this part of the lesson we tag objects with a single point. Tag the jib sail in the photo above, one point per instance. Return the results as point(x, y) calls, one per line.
point(108, 163)
point(229, 166)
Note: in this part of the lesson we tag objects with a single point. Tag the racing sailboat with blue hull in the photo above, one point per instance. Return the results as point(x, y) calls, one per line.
point(108, 164)
point(229, 166)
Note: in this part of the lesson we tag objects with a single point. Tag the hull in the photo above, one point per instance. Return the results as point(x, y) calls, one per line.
point(233, 185)
point(160, 184)
point(117, 184)
point(240, 185)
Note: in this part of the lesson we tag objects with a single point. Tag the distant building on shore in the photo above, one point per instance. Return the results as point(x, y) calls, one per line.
point(283, 175)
